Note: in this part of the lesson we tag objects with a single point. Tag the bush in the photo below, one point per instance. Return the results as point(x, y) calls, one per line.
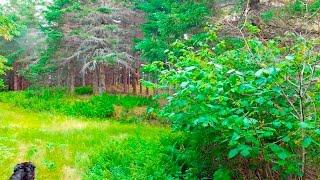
point(256, 104)
point(85, 90)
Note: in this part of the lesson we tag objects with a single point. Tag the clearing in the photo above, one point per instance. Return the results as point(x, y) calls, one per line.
point(61, 147)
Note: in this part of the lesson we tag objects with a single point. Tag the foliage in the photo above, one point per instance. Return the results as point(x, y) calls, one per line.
point(57, 100)
point(8, 28)
point(24, 17)
point(141, 159)
point(54, 18)
point(84, 90)
point(300, 6)
point(246, 107)
point(97, 107)
point(168, 20)
point(3, 68)
point(257, 103)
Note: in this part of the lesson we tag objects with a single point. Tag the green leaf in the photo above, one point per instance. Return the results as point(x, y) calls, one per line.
point(233, 153)
point(190, 68)
point(286, 139)
point(288, 125)
point(283, 155)
point(279, 151)
point(306, 142)
point(259, 73)
point(245, 152)
point(304, 125)
point(260, 100)
point(276, 123)
point(222, 174)
point(290, 57)
point(235, 136)
point(184, 84)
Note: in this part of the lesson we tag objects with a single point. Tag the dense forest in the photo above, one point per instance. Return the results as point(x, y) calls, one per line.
point(160, 89)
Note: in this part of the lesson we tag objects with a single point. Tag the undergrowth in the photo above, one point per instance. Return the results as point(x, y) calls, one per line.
point(84, 90)
point(73, 148)
point(135, 158)
point(58, 100)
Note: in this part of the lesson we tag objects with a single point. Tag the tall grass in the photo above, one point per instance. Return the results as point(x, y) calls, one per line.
point(58, 100)
point(74, 148)
point(135, 158)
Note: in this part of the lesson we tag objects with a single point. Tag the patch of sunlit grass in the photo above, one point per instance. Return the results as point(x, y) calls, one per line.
point(60, 147)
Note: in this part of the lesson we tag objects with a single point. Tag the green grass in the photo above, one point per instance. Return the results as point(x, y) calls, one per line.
point(58, 101)
point(63, 147)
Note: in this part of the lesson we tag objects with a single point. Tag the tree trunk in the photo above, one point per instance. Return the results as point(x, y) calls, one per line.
point(107, 81)
point(10, 82)
point(59, 80)
point(254, 4)
point(83, 78)
point(15, 82)
point(135, 78)
point(102, 79)
point(95, 82)
point(71, 70)
point(125, 80)
point(147, 89)
point(16, 78)
point(140, 84)
point(24, 84)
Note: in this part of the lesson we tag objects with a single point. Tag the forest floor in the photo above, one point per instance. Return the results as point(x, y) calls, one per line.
point(61, 147)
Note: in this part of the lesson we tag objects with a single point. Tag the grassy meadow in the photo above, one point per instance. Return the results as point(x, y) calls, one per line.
point(74, 147)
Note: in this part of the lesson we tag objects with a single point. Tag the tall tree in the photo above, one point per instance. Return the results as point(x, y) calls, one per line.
point(8, 29)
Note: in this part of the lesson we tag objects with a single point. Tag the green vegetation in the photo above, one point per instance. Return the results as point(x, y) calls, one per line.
point(3, 69)
point(105, 10)
point(299, 6)
point(68, 148)
point(257, 103)
point(168, 20)
point(141, 159)
point(85, 90)
point(238, 82)
point(57, 100)
point(8, 29)
point(54, 35)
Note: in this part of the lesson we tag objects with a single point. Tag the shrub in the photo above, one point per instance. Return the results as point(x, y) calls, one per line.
point(85, 90)
point(256, 104)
